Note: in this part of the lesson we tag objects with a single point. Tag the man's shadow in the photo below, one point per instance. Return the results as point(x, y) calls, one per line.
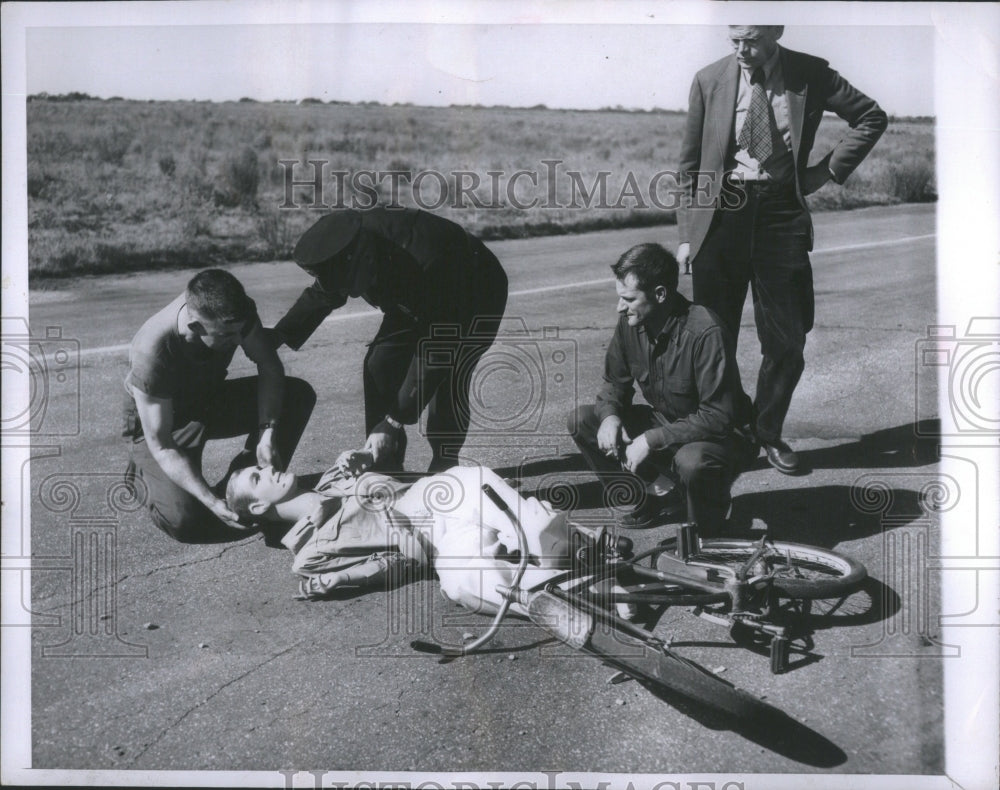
point(827, 515)
point(904, 446)
point(822, 515)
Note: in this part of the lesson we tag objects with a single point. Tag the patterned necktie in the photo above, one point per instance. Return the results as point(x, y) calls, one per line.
point(755, 136)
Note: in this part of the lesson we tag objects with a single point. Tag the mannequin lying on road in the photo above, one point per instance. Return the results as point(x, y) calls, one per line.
point(361, 528)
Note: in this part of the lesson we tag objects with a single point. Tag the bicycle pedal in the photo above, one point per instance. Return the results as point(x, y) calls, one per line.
point(712, 618)
point(779, 655)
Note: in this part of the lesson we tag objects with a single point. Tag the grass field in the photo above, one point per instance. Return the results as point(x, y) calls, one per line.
point(116, 186)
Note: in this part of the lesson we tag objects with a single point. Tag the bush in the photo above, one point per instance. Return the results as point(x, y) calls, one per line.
point(38, 179)
point(195, 219)
point(168, 165)
point(112, 147)
point(240, 179)
point(277, 232)
point(912, 182)
point(194, 184)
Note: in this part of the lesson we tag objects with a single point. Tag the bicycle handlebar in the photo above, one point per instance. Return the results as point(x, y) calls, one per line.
point(508, 593)
point(497, 500)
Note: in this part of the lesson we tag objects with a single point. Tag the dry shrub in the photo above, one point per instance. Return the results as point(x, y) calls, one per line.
point(239, 180)
point(112, 146)
point(168, 165)
point(276, 229)
point(913, 181)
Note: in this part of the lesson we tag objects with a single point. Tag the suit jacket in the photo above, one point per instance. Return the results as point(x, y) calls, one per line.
point(811, 88)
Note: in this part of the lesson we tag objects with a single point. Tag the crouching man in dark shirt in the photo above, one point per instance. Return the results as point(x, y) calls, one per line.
point(691, 434)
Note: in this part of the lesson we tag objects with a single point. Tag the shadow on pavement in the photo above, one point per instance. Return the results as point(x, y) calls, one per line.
point(771, 728)
point(564, 463)
point(827, 515)
point(910, 445)
point(873, 602)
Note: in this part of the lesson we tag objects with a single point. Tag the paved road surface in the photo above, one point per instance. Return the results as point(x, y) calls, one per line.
point(237, 675)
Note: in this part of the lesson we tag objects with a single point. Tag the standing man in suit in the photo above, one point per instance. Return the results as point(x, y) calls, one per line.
point(433, 281)
point(743, 220)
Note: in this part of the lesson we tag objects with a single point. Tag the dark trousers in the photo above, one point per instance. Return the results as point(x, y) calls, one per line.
point(232, 413)
point(705, 470)
point(446, 356)
point(764, 243)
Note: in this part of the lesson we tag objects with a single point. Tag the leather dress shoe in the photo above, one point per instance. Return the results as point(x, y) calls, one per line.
point(782, 457)
point(654, 511)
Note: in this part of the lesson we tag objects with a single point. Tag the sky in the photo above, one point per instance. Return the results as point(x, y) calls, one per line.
point(634, 62)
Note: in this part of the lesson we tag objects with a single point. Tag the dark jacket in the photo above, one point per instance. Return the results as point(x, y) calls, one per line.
point(427, 268)
point(688, 374)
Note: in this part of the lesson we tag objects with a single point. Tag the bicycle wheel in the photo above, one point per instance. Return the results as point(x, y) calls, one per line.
point(635, 584)
point(799, 571)
point(639, 654)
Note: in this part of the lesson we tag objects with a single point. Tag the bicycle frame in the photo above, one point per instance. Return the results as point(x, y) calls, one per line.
point(566, 604)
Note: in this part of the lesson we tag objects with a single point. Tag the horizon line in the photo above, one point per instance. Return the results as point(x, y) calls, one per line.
point(74, 96)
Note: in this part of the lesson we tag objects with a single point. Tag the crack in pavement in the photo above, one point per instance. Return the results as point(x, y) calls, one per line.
point(96, 591)
point(189, 563)
point(146, 747)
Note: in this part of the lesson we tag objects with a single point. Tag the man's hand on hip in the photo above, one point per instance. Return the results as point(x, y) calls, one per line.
point(815, 177)
point(684, 256)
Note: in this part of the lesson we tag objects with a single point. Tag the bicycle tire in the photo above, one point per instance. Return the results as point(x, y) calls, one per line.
point(639, 589)
point(799, 571)
point(639, 654)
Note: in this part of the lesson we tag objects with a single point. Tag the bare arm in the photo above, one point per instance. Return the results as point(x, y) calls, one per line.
point(270, 394)
point(157, 417)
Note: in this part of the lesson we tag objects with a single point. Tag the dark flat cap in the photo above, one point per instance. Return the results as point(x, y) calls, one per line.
point(330, 236)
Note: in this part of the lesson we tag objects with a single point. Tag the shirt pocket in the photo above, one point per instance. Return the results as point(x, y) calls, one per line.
point(682, 397)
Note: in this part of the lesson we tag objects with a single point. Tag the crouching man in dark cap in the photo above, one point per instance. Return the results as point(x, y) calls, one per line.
point(431, 279)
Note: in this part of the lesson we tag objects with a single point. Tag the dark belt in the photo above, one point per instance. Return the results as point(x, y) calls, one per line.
point(764, 187)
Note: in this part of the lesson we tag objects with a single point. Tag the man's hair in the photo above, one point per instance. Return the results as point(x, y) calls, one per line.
point(218, 296)
point(774, 30)
point(650, 264)
point(239, 501)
